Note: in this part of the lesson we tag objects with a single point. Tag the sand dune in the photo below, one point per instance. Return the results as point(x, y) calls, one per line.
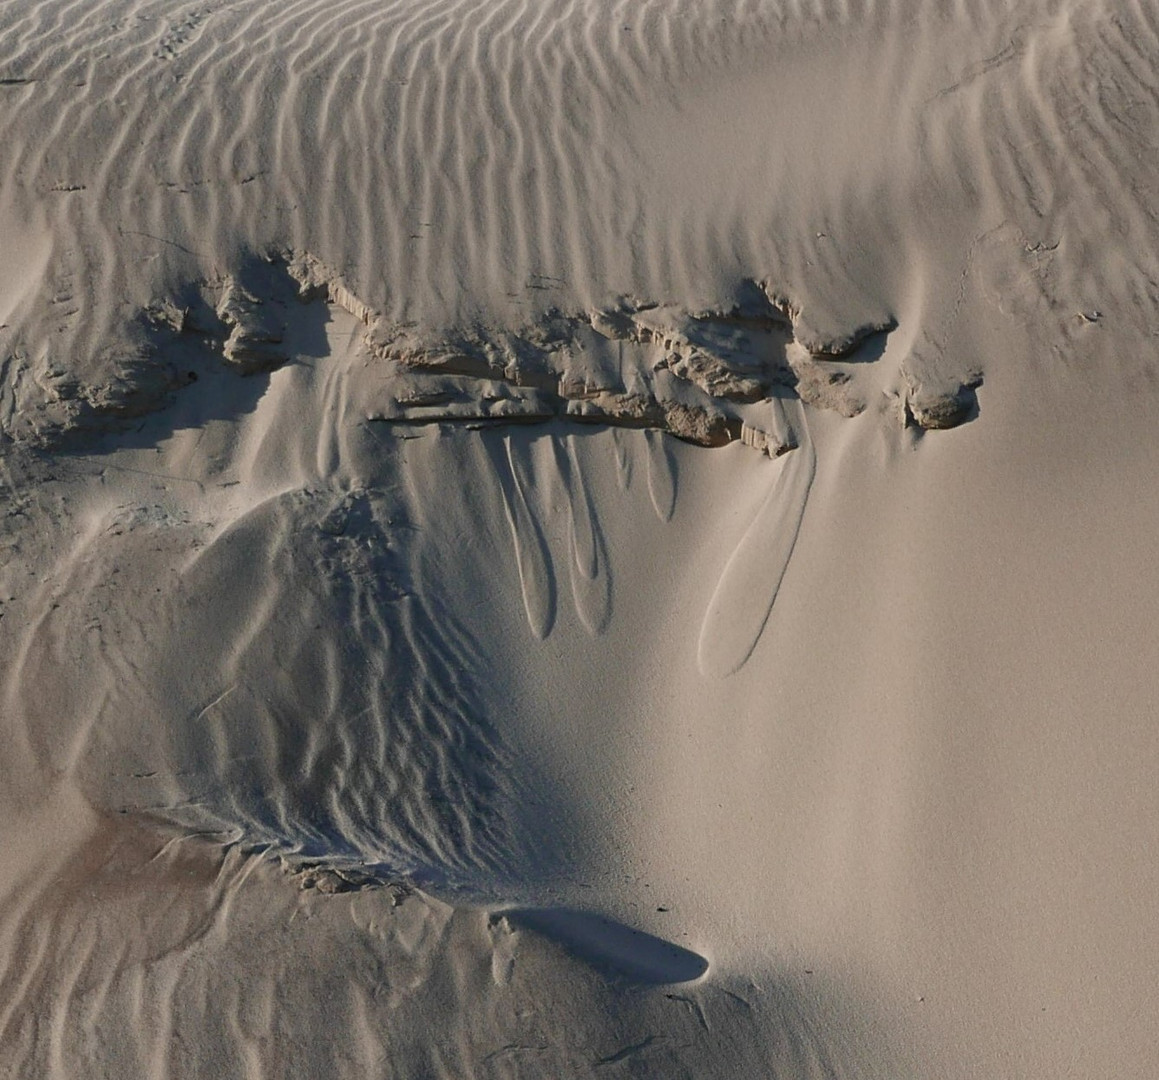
point(658, 151)
point(577, 539)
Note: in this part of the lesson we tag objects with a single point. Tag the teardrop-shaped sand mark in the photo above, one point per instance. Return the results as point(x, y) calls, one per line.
point(593, 598)
point(623, 447)
point(591, 583)
point(661, 475)
point(532, 557)
point(583, 524)
point(748, 587)
point(613, 948)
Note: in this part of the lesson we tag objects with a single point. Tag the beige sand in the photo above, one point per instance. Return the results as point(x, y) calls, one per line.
point(578, 539)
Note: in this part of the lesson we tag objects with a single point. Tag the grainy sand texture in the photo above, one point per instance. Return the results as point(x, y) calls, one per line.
point(579, 538)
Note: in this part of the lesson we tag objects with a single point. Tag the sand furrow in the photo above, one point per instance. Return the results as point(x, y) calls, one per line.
point(734, 622)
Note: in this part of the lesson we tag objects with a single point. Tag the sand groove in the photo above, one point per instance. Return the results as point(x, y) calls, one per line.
point(733, 623)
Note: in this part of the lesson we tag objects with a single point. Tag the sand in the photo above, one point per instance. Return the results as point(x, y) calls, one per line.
point(578, 539)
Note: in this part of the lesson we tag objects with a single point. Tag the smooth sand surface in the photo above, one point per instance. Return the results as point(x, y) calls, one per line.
point(579, 539)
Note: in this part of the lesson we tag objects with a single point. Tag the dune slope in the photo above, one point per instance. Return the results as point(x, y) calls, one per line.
point(578, 539)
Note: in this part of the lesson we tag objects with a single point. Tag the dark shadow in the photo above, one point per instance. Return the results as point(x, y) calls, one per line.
point(612, 948)
point(185, 369)
point(968, 397)
point(868, 349)
point(750, 301)
point(948, 411)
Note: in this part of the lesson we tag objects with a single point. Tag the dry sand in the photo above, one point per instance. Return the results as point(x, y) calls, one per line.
point(579, 539)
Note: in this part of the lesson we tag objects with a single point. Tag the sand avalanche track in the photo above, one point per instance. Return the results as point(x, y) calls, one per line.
point(577, 539)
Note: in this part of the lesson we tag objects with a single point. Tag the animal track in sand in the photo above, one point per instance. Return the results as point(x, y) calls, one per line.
point(181, 34)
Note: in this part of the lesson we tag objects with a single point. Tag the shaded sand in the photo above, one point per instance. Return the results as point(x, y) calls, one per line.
point(548, 540)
